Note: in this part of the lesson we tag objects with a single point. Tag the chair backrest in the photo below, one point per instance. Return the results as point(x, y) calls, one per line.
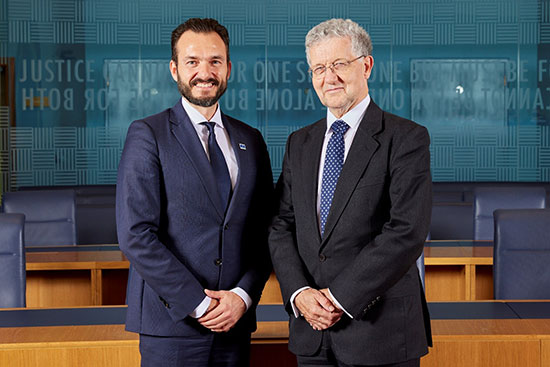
point(95, 211)
point(521, 255)
point(452, 221)
point(12, 261)
point(489, 199)
point(49, 216)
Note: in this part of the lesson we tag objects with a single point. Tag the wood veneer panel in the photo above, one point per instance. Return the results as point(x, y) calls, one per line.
point(272, 291)
point(62, 356)
point(63, 288)
point(445, 283)
point(484, 282)
point(477, 353)
point(270, 331)
point(545, 353)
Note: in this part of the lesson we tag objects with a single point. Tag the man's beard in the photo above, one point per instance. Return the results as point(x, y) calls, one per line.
point(185, 90)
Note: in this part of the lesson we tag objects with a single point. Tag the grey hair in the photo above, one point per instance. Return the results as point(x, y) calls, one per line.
point(361, 43)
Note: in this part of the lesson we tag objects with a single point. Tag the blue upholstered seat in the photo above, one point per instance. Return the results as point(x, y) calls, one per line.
point(95, 212)
point(49, 216)
point(452, 221)
point(522, 254)
point(489, 199)
point(12, 261)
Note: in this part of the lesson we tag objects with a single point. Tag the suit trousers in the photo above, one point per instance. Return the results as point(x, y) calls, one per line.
point(325, 357)
point(210, 350)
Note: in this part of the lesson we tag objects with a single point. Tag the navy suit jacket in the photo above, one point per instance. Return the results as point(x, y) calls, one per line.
point(172, 227)
point(374, 233)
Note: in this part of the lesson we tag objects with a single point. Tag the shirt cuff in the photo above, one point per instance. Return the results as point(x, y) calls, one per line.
point(201, 308)
point(245, 297)
point(337, 304)
point(294, 308)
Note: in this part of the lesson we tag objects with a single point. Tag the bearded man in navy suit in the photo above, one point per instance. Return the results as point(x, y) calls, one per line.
point(193, 197)
point(354, 211)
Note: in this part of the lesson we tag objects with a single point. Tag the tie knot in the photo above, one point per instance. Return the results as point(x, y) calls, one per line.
point(210, 125)
point(339, 127)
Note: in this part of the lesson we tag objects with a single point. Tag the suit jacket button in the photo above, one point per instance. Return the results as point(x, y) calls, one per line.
point(322, 257)
point(218, 262)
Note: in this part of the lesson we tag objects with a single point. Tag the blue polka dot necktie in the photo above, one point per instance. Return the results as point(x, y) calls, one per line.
point(219, 167)
point(334, 160)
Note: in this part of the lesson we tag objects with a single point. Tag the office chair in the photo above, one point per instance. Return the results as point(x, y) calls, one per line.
point(521, 254)
point(95, 212)
point(12, 261)
point(49, 216)
point(488, 199)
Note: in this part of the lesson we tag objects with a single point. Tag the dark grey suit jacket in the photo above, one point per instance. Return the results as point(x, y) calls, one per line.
point(173, 229)
point(375, 231)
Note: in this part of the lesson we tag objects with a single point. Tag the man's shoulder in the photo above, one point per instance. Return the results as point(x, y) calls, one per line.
point(155, 124)
point(238, 123)
point(304, 132)
point(241, 126)
point(401, 130)
point(399, 124)
point(157, 118)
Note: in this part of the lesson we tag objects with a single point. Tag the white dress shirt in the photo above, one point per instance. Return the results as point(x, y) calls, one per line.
point(222, 138)
point(353, 118)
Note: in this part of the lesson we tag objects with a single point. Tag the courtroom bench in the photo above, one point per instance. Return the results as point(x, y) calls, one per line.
point(511, 333)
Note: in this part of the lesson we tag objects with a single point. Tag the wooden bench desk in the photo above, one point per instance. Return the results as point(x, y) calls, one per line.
point(473, 334)
point(458, 270)
point(87, 275)
point(80, 275)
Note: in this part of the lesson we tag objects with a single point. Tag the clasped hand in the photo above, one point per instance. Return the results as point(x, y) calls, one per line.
point(317, 308)
point(225, 309)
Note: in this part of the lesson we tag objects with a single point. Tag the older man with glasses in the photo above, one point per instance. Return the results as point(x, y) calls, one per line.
point(354, 210)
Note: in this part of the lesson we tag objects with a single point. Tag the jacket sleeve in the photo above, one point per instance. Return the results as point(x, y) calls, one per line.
point(386, 259)
point(290, 269)
point(260, 213)
point(138, 213)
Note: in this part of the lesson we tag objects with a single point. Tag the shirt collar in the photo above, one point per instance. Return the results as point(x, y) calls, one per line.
point(353, 117)
point(197, 118)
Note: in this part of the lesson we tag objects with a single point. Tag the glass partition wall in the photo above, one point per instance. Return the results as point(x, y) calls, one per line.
point(75, 73)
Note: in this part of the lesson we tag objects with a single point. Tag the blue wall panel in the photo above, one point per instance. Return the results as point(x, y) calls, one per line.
point(80, 70)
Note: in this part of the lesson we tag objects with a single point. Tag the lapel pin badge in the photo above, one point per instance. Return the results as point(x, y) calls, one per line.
point(242, 146)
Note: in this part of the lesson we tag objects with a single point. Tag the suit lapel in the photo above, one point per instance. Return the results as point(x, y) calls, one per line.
point(182, 128)
point(236, 139)
point(361, 151)
point(312, 154)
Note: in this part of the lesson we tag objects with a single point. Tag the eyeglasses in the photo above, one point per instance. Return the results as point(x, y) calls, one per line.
point(335, 67)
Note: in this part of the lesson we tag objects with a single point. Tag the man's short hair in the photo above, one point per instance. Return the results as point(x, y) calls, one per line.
point(361, 43)
point(199, 25)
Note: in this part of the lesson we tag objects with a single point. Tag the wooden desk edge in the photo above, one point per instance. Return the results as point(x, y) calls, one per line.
point(75, 265)
point(269, 332)
point(458, 261)
point(71, 344)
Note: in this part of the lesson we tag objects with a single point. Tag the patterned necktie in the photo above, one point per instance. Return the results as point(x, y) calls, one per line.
point(334, 160)
point(219, 167)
